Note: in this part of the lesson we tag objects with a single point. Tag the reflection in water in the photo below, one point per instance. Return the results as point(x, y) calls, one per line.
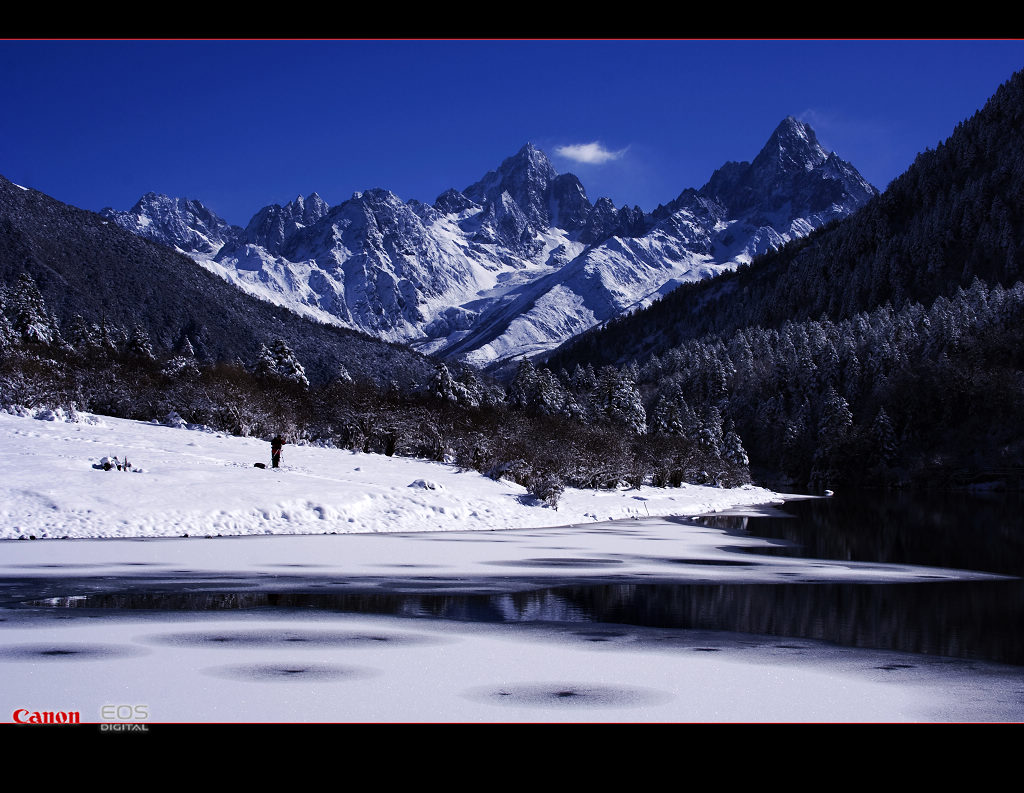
point(546, 605)
point(964, 619)
point(960, 530)
point(968, 619)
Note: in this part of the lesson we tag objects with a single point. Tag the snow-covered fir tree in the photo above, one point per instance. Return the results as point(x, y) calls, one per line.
point(583, 378)
point(287, 365)
point(732, 448)
point(31, 320)
point(266, 366)
point(139, 346)
point(710, 436)
point(277, 363)
point(110, 336)
point(523, 385)
point(618, 399)
point(447, 388)
point(673, 416)
point(82, 336)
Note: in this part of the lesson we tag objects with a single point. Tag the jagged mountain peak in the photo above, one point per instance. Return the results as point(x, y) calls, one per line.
point(533, 156)
point(794, 168)
point(182, 223)
point(163, 202)
point(452, 202)
point(528, 168)
point(274, 225)
point(371, 202)
point(793, 128)
point(545, 197)
point(300, 208)
point(307, 211)
point(150, 198)
point(376, 195)
point(792, 146)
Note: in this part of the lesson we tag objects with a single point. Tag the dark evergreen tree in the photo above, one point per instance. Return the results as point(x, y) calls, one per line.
point(883, 439)
point(834, 429)
point(448, 389)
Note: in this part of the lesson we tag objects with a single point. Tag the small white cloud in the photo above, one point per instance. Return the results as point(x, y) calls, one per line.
point(590, 153)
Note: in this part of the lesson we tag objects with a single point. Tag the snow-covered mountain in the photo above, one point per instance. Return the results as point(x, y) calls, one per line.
point(517, 262)
point(181, 223)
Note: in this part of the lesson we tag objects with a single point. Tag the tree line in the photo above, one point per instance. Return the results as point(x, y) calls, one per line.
point(589, 430)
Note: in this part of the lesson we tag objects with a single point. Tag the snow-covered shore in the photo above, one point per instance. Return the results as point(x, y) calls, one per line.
point(204, 483)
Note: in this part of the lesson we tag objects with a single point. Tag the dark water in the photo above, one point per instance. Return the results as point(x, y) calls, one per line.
point(970, 531)
point(978, 620)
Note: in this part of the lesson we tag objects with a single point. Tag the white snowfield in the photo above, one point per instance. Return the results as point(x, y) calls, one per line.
point(202, 483)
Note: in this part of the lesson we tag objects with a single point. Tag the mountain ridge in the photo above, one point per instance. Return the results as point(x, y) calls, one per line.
point(462, 277)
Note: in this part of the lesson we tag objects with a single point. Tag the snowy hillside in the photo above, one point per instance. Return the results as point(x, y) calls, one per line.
point(198, 482)
point(517, 262)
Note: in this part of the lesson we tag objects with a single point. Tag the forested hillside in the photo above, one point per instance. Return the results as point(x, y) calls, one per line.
point(957, 213)
point(885, 347)
point(87, 267)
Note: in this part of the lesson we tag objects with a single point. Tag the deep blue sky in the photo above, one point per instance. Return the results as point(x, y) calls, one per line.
point(242, 124)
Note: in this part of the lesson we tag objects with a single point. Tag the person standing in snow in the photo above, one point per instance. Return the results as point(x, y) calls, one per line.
point(275, 451)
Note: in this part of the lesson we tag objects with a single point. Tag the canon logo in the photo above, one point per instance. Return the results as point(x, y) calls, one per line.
point(26, 716)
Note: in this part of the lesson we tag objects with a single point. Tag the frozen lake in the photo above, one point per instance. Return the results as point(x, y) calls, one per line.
point(642, 620)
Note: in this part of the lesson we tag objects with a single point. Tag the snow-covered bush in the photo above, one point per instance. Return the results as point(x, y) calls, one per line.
point(172, 419)
point(426, 484)
point(546, 486)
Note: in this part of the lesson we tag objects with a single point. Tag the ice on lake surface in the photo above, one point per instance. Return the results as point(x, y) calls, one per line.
point(493, 627)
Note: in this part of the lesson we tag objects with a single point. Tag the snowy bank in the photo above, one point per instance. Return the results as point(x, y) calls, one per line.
point(195, 482)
